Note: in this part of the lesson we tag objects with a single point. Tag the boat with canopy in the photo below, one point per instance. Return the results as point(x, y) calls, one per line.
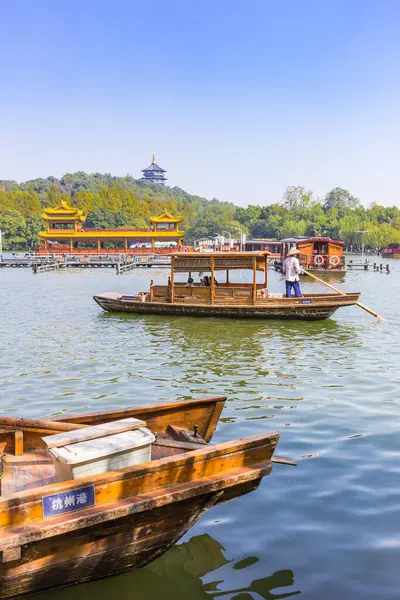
point(227, 298)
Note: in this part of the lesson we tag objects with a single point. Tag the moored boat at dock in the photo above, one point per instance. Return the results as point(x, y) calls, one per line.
point(65, 517)
point(391, 251)
point(223, 299)
point(319, 254)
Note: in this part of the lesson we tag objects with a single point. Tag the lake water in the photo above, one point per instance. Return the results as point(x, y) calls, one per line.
point(326, 529)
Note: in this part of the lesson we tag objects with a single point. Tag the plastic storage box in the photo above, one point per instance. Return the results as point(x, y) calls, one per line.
point(109, 452)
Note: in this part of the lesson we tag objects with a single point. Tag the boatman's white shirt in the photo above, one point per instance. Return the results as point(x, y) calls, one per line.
point(291, 268)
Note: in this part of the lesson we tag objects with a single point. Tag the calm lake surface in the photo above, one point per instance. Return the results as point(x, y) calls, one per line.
point(326, 529)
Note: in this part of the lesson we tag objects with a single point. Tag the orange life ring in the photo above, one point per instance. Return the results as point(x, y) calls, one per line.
point(319, 260)
point(334, 260)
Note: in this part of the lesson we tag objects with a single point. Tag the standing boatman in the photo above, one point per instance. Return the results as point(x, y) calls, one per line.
point(291, 270)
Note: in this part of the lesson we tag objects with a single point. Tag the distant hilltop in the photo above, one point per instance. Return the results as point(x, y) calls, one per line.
point(110, 202)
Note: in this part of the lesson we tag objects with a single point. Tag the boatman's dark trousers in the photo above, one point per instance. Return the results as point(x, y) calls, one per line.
point(296, 288)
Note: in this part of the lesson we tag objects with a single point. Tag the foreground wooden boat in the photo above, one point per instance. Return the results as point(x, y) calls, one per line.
point(223, 299)
point(55, 533)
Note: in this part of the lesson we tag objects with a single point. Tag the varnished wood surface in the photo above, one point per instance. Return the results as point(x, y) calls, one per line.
point(26, 508)
point(127, 544)
point(126, 533)
point(204, 412)
point(139, 511)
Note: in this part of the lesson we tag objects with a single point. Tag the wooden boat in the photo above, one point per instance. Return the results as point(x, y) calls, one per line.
point(320, 254)
point(248, 300)
point(55, 533)
point(271, 245)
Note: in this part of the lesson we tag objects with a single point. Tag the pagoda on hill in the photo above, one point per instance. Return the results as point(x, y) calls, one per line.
point(154, 173)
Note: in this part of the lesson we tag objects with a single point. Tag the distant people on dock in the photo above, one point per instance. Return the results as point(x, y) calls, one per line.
point(291, 270)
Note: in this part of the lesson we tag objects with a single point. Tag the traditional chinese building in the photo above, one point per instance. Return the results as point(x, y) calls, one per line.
point(154, 173)
point(66, 234)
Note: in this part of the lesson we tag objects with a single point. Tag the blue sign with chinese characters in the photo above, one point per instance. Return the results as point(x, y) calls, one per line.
point(67, 502)
point(306, 301)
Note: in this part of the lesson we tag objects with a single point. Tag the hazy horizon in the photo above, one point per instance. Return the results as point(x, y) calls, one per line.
point(238, 100)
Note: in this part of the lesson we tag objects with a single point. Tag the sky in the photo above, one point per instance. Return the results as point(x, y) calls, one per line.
point(238, 98)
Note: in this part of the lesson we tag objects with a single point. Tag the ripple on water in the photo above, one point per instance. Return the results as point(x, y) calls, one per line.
point(326, 529)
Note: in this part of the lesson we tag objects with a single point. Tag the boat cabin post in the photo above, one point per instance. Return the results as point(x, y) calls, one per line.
point(212, 286)
point(172, 279)
point(254, 279)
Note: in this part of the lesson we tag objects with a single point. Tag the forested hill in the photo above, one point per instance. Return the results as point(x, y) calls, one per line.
point(123, 201)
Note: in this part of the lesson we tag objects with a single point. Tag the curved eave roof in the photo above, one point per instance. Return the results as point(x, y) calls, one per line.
point(65, 216)
point(154, 168)
point(166, 218)
point(326, 240)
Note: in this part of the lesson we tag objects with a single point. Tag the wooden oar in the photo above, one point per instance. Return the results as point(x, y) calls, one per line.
point(56, 426)
point(283, 460)
point(368, 310)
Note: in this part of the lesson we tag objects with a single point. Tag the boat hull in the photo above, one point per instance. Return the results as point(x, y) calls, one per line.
point(107, 549)
point(309, 307)
point(112, 548)
point(130, 516)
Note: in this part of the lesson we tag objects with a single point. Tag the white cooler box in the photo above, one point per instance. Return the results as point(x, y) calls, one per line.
point(99, 448)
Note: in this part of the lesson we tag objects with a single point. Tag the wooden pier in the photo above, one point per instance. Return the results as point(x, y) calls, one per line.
point(41, 268)
point(121, 262)
point(366, 266)
point(124, 267)
point(152, 260)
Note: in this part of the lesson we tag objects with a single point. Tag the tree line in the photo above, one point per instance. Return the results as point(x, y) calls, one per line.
point(125, 202)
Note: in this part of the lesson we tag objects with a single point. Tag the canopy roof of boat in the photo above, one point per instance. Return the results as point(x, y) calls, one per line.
point(218, 261)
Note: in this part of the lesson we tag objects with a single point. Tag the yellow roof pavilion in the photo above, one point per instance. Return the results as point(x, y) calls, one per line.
point(63, 211)
point(64, 225)
point(166, 217)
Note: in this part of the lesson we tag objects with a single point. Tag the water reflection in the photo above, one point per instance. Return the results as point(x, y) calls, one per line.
point(331, 277)
point(196, 569)
point(238, 334)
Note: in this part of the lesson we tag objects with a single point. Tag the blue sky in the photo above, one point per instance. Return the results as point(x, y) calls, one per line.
point(239, 99)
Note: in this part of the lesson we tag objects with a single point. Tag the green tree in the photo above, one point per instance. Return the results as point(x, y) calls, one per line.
point(13, 226)
point(292, 229)
point(33, 225)
point(340, 199)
